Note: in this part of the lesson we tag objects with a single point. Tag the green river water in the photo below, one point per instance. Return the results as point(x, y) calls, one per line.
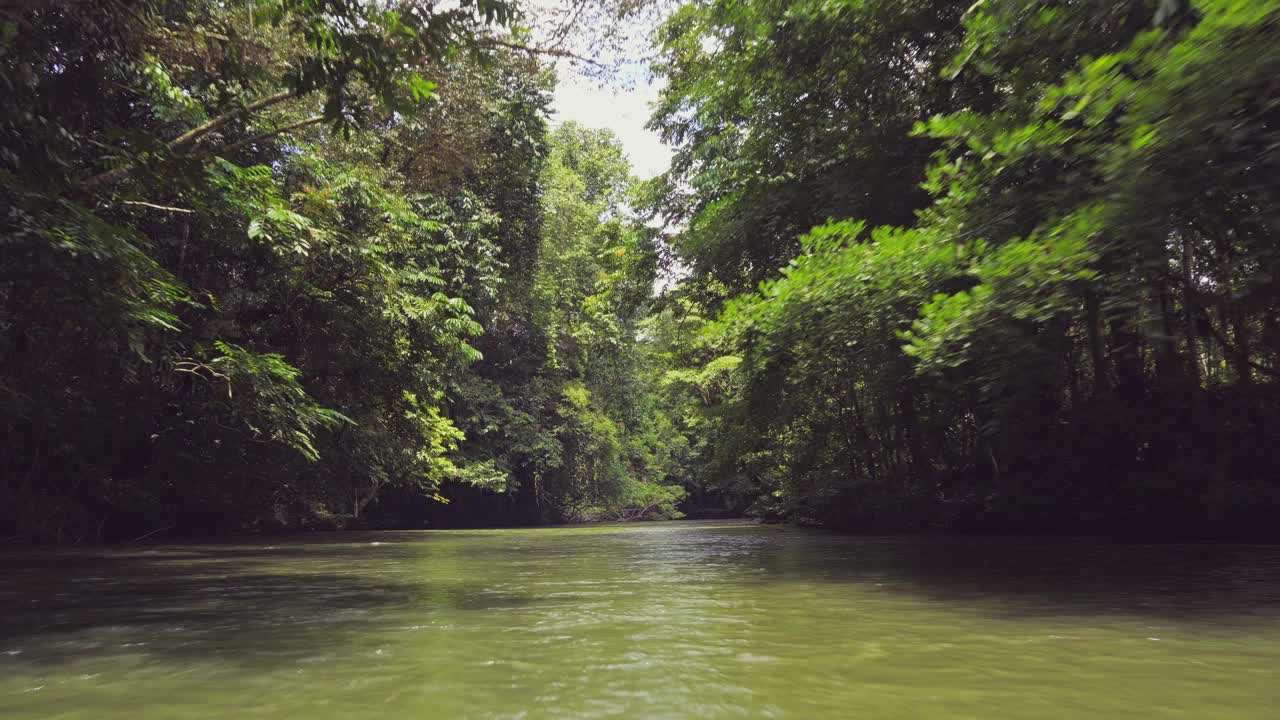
point(667, 620)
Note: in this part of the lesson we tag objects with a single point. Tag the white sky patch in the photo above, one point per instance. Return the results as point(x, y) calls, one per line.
point(623, 108)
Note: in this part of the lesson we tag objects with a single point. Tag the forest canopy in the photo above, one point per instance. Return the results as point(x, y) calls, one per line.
point(916, 265)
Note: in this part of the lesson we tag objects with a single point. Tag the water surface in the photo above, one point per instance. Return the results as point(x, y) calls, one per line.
point(671, 620)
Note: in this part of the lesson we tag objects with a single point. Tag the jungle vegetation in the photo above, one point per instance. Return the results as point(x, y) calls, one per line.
point(917, 265)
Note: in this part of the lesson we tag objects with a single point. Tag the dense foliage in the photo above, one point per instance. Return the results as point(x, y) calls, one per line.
point(1076, 326)
point(917, 264)
point(262, 262)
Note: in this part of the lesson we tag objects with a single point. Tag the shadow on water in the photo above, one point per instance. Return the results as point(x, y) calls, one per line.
point(1019, 577)
point(253, 605)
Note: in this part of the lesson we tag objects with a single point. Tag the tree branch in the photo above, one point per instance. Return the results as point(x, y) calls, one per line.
point(196, 133)
point(272, 133)
point(189, 138)
point(531, 50)
point(562, 32)
point(144, 536)
point(153, 206)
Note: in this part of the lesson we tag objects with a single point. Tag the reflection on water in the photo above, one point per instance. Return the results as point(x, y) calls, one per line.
point(674, 620)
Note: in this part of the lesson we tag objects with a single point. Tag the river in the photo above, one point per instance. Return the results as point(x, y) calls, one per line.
point(663, 620)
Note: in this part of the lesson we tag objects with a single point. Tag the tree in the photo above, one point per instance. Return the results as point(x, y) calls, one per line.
point(1069, 326)
point(212, 280)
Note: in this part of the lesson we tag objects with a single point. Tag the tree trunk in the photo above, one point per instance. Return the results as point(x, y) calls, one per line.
point(1189, 311)
point(861, 423)
point(1127, 351)
point(1073, 376)
point(1097, 344)
point(1170, 369)
point(921, 464)
point(1240, 358)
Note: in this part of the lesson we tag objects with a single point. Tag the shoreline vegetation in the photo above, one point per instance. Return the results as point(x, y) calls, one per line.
point(921, 266)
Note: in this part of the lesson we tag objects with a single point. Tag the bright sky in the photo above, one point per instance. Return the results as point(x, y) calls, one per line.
point(624, 110)
point(621, 101)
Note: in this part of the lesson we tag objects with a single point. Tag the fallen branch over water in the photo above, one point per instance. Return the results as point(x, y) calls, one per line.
point(144, 536)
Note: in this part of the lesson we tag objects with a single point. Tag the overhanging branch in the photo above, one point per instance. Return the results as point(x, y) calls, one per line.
point(272, 133)
point(153, 206)
point(189, 138)
point(546, 51)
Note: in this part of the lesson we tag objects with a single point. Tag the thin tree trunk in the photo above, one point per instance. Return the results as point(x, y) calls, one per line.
point(861, 424)
point(1189, 311)
point(1097, 344)
point(1240, 331)
point(1127, 351)
point(1169, 367)
point(1073, 376)
point(851, 447)
point(920, 461)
